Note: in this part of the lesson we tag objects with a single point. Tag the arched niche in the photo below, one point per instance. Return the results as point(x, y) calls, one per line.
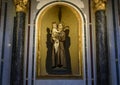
point(70, 16)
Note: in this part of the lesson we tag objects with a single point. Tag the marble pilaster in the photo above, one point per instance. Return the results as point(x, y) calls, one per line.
point(101, 42)
point(17, 73)
point(18, 62)
point(101, 48)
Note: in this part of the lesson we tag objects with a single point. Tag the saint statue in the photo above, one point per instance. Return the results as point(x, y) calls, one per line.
point(58, 50)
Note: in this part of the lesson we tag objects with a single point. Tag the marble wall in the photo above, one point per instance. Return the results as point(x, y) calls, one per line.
point(90, 74)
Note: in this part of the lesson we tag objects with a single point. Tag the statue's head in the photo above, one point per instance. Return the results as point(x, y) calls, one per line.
point(60, 25)
point(54, 25)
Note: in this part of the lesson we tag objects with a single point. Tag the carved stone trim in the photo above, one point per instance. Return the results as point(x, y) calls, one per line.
point(41, 3)
point(21, 5)
point(99, 5)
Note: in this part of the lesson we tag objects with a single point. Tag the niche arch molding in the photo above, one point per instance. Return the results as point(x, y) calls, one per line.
point(40, 61)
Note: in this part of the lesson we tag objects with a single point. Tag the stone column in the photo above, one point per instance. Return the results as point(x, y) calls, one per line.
point(101, 42)
point(18, 62)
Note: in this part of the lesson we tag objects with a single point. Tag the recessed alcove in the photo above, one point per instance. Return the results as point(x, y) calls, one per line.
point(69, 17)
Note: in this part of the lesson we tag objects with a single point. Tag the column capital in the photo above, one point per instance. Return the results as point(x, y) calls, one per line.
point(21, 5)
point(99, 5)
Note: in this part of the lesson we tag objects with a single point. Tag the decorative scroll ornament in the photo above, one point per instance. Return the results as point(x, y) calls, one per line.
point(99, 4)
point(21, 5)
